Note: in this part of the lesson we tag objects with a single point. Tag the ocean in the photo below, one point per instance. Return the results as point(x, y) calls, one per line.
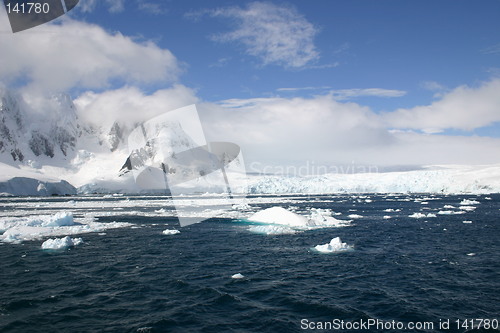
point(434, 271)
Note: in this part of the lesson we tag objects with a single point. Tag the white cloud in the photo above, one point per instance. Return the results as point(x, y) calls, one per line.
point(150, 7)
point(493, 49)
point(376, 92)
point(76, 54)
point(275, 34)
point(295, 131)
point(303, 88)
point(130, 105)
point(114, 6)
point(463, 108)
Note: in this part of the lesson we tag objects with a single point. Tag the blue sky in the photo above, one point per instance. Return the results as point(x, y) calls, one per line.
point(385, 82)
point(395, 45)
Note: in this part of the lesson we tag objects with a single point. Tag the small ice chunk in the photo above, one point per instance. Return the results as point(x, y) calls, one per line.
point(471, 254)
point(421, 215)
point(467, 222)
point(450, 212)
point(237, 276)
point(449, 207)
point(355, 216)
point(61, 243)
point(467, 202)
point(468, 208)
point(335, 245)
point(242, 206)
point(171, 232)
point(390, 210)
point(386, 217)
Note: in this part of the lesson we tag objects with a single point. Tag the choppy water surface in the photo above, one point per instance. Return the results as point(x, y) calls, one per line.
point(136, 279)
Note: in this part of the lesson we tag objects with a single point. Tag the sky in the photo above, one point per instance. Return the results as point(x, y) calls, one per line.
point(328, 82)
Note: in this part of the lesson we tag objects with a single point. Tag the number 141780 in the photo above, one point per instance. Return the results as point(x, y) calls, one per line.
point(28, 8)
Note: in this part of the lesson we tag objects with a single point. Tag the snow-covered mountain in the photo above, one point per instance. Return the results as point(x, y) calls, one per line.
point(44, 139)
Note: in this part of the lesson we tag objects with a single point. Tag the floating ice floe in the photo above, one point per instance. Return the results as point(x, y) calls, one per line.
point(61, 243)
point(242, 206)
point(237, 276)
point(467, 222)
point(386, 217)
point(19, 229)
point(449, 207)
point(355, 216)
point(335, 245)
point(421, 215)
point(451, 212)
point(467, 202)
point(390, 210)
point(171, 232)
point(468, 208)
point(277, 220)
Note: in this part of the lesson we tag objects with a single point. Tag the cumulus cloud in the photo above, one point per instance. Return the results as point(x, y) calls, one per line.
point(130, 105)
point(462, 108)
point(114, 6)
point(374, 92)
point(58, 57)
point(321, 130)
point(274, 34)
point(318, 130)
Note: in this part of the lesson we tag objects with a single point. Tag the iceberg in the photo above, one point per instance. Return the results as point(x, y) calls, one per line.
point(451, 212)
point(26, 228)
point(237, 276)
point(278, 220)
point(467, 202)
point(335, 245)
point(61, 243)
point(171, 232)
point(279, 215)
point(421, 215)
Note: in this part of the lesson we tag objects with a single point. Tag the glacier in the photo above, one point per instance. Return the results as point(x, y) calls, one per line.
point(46, 149)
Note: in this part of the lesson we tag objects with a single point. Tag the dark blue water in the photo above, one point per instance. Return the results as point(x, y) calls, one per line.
point(138, 280)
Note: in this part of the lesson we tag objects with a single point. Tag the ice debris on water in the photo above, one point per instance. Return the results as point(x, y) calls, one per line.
point(467, 202)
point(421, 215)
point(171, 232)
point(61, 243)
point(237, 276)
point(335, 245)
point(278, 220)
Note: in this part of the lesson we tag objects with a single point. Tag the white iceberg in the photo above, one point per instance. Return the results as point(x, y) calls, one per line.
point(451, 212)
point(421, 215)
point(171, 232)
point(467, 202)
point(468, 208)
point(26, 228)
point(279, 215)
point(61, 243)
point(335, 245)
point(277, 220)
point(237, 276)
